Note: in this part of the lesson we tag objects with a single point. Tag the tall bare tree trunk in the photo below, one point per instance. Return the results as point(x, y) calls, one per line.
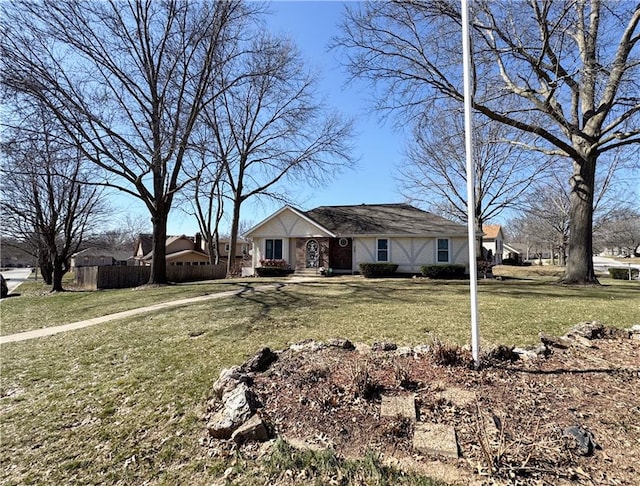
point(58, 272)
point(579, 269)
point(159, 260)
point(233, 238)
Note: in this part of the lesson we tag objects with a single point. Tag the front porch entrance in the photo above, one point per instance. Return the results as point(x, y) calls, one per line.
point(341, 254)
point(312, 254)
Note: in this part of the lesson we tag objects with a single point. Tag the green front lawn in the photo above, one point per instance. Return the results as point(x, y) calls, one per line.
point(36, 307)
point(122, 402)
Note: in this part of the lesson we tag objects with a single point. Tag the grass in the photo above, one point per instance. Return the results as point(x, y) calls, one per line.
point(122, 402)
point(37, 307)
point(320, 468)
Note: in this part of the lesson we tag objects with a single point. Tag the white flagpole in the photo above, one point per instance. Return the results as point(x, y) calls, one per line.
point(471, 207)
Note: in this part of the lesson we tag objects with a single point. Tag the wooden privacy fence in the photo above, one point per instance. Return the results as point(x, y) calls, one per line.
point(121, 277)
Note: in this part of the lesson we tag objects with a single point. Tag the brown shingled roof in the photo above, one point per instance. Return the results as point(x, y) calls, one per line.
point(491, 230)
point(383, 219)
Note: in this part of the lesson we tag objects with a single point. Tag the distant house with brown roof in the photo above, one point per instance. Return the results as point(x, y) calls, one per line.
point(100, 257)
point(493, 242)
point(342, 237)
point(183, 250)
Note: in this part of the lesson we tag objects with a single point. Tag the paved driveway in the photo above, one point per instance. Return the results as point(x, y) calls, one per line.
point(15, 277)
point(603, 264)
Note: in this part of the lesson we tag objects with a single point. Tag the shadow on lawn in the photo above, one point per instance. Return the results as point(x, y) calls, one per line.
point(267, 300)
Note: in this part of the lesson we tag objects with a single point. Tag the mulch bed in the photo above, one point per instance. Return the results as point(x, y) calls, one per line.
point(510, 417)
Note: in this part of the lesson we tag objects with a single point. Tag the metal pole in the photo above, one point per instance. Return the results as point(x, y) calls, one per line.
point(471, 208)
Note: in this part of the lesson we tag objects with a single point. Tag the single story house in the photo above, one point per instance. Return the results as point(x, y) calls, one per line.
point(511, 251)
point(184, 250)
point(100, 257)
point(181, 250)
point(493, 241)
point(342, 237)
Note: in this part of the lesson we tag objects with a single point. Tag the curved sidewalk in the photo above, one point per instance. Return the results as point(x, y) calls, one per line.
point(50, 331)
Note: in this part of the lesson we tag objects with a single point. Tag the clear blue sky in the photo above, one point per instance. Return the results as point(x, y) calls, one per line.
point(311, 25)
point(379, 149)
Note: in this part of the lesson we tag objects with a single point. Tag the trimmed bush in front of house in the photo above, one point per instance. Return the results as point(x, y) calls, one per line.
point(273, 268)
point(370, 270)
point(443, 271)
point(515, 262)
point(622, 273)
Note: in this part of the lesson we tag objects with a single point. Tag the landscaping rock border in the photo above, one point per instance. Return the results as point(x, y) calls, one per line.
point(234, 409)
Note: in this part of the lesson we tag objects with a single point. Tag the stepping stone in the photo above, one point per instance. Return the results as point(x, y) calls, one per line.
point(399, 406)
point(435, 439)
point(458, 396)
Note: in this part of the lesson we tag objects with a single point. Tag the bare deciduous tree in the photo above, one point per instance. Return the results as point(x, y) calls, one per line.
point(436, 169)
point(269, 130)
point(127, 81)
point(204, 198)
point(620, 230)
point(47, 203)
point(565, 73)
point(122, 234)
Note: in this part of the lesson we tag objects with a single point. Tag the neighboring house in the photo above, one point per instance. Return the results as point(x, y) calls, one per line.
point(181, 250)
point(493, 241)
point(511, 251)
point(618, 251)
point(242, 248)
point(184, 250)
point(342, 237)
point(527, 251)
point(100, 257)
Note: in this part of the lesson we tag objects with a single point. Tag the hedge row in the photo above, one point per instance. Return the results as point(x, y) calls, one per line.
point(448, 271)
point(273, 271)
point(622, 273)
point(369, 270)
point(515, 263)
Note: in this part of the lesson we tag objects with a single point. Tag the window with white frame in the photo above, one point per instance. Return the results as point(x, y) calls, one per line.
point(227, 247)
point(383, 250)
point(273, 249)
point(443, 250)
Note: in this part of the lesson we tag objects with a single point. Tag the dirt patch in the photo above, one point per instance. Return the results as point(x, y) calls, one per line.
point(510, 419)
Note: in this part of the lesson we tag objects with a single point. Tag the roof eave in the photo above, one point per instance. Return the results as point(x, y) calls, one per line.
point(295, 211)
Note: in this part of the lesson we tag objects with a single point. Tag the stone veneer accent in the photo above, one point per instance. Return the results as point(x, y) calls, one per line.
point(301, 260)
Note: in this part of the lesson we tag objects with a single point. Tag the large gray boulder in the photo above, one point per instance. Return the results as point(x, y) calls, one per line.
point(237, 407)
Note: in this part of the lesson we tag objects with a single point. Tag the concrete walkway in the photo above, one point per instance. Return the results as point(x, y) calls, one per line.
point(16, 276)
point(50, 331)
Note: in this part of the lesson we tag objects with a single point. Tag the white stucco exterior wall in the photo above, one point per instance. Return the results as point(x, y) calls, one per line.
point(288, 224)
point(409, 253)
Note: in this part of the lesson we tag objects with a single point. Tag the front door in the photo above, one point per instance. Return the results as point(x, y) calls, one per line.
point(312, 254)
point(340, 253)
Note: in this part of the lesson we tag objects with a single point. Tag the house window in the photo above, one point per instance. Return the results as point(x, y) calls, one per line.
point(226, 247)
point(273, 249)
point(383, 250)
point(443, 250)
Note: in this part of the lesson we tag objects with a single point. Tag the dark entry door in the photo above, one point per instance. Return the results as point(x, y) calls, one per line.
point(340, 254)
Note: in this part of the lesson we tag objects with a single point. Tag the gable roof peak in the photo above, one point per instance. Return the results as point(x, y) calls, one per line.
point(491, 230)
